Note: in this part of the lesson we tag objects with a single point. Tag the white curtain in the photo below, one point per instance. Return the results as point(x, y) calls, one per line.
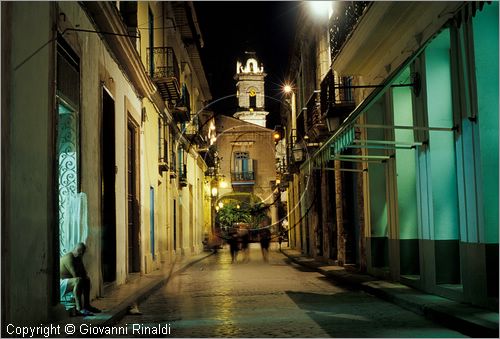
point(74, 226)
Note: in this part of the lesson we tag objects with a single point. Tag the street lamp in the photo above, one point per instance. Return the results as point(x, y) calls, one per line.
point(297, 150)
point(321, 9)
point(298, 153)
point(223, 184)
point(288, 90)
point(276, 136)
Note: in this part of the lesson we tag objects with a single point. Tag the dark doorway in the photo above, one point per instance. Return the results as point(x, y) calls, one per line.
point(108, 172)
point(134, 262)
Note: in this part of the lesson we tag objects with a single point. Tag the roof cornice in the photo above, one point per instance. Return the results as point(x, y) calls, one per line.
point(107, 19)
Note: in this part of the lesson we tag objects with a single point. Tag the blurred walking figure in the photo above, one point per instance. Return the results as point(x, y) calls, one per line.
point(265, 239)
point(280, 239)
point(245, 240)
point(214, 243)
point(233, 246)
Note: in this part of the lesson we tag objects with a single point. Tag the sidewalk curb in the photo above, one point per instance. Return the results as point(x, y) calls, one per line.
point(453, 316)
point(120, 310)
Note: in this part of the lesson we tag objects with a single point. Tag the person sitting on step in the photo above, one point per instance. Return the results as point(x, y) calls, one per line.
point(74, 278)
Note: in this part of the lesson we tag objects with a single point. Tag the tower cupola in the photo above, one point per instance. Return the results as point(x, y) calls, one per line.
point(250, 90)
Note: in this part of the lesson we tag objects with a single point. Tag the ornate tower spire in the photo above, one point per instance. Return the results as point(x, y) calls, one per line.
point(250, 90)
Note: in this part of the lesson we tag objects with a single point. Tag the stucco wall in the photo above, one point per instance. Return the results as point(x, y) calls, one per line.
point(262, 150)
point(30, 222)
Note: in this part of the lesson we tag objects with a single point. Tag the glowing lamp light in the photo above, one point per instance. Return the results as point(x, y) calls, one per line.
point(214, 191)
point(276, 136)
point(321, 8)
point(217, 208)
point(238, 206)
point(287, 89)
point(223, 184)
point(221, 204)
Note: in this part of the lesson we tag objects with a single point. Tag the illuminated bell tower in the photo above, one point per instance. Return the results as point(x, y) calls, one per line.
point(250, 91)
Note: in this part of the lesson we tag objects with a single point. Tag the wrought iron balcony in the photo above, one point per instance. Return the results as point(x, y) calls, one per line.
point(337, 100)
point(243, 178)
point(342, 24)
point(316, 125)
point(193, 132)
point(182, 109)
point(164, 70)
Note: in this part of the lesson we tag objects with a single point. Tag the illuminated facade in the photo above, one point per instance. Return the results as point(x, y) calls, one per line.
point(250, 91)
point(245, 145)
point(401, 180)
point(106, 152)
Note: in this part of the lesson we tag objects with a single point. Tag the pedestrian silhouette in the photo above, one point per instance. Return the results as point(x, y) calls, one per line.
point(265, 239)
point(233, 246)
point(245, 240)
point(280, 239)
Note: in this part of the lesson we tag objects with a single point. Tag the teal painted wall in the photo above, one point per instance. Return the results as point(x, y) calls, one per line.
point(442, 145)
point(485, 28)
point(376, 172)
point(405, 160)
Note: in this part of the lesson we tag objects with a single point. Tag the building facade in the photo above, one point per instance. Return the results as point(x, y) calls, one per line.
point(244, 145)
point(97, 145)
point(393, 143)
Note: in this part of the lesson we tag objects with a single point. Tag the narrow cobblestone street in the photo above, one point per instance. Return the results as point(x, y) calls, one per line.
point(215, 298)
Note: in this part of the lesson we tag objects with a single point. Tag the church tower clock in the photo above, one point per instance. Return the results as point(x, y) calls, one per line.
point(250, 91)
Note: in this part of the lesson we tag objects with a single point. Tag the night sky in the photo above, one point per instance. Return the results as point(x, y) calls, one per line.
point(229, 28)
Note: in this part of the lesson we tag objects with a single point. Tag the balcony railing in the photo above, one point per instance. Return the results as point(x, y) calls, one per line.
point(164, 61)
point(337, 99)
point(316, 125)
point(165, 72)
point(342, 25)
point(193, 133)
point(239, 178)
point(182, 109)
